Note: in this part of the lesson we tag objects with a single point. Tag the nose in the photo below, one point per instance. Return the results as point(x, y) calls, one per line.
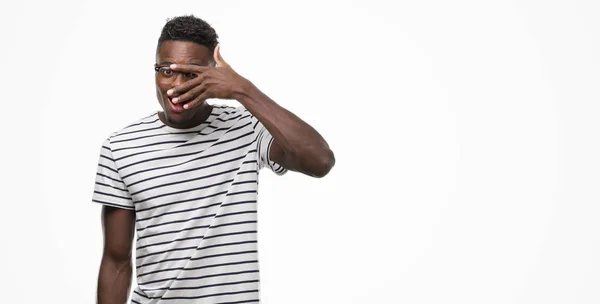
point(179, 79)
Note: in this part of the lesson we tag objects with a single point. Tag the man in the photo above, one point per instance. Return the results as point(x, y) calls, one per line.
point(186, 178)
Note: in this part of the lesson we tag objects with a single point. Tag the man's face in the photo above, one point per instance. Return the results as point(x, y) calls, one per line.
point(180, 52)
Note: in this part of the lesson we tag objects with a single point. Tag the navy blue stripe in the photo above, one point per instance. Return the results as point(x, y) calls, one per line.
point(104, 156)
point(177, 231)
point(197, 227)
point(197, 258)
point(196, 268)
point(260, 147)
point(109, 168)
point(137, 131)
point(246, 172)
point(183, 191)
point(233, 139)
point(209, 295)
point(111, 204)
point(235, 213)
point(235, 203)
point(151, 144)
point(190, 209)
point(169, 156)
point(203, 277)
point(185, 181)
point(197, 248)
point(187, 170)
point(106, 176)
point(150, 151)
point(226, 120)
point(189, 219)
point(139, 294)
point(153, 135)
point(244, 182)
point(241, 192)
point(280, 169)
point(187, 132)
point(187, 154)
point(143, 122)
point(212, 140)
point(173, 212)
point(213, 285)
point(188, 229)
point(194, 237)
point(107, 185)
point(182, 201)
point(222, 112)
point(221, 254)
point(230, 233)
point(165, 251)
point(239, 302)
point(179, 141)
point(113, 195)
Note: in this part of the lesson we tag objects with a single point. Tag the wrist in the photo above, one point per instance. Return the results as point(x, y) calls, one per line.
point(245, 92)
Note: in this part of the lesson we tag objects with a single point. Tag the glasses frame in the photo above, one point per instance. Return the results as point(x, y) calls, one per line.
point(158, 67)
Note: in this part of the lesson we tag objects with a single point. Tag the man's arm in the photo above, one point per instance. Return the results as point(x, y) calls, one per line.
point(296, 145)
point(114, 278)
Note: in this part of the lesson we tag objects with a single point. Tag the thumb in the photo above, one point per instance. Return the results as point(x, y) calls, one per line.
point(218, 58)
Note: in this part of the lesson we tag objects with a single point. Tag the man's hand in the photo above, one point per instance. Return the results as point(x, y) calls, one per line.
point(296, 146)
point(212, 82)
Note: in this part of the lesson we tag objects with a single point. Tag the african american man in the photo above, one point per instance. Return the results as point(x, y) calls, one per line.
point(185, 179)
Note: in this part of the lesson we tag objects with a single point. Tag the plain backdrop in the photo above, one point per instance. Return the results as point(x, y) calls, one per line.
point(466, 135)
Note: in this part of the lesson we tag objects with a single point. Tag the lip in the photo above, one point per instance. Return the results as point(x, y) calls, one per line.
point(177, 108)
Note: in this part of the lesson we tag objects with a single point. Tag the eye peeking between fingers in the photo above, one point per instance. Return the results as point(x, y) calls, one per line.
point(168, 74)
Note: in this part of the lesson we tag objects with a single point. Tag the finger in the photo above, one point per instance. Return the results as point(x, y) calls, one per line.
point(218, 58)
point(185, 87)
point(190, 68)
point(187, 96)
point(197, 101)
point(191, 94)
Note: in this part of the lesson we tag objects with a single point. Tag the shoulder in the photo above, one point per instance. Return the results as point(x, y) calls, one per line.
point(232, 116)
point(146, 123)
point(224, 112)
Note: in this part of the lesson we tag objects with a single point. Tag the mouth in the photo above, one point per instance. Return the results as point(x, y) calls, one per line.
point(175, 107)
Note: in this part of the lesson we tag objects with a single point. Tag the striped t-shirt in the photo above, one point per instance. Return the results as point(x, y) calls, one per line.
point(194, 193)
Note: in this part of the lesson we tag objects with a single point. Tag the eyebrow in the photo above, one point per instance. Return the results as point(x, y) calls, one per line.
point(169, 63)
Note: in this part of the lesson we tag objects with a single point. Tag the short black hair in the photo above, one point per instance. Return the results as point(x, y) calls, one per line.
point(189, 28)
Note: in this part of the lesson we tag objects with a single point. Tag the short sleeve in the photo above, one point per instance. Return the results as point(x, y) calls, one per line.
point(109, 188)
point(264, 140)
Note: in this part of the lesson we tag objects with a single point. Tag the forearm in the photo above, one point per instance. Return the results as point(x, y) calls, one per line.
point(305, 149)
point(114, 281)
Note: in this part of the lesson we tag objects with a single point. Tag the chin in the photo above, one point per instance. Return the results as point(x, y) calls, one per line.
point(178, 117)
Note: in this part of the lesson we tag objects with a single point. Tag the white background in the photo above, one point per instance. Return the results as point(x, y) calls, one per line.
point(465, 133)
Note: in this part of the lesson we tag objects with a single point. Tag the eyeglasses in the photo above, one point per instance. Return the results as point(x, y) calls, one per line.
point(165, 74)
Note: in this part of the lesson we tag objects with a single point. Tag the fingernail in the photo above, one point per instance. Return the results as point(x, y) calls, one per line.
point(173, 66)
point(175, 100)
point(170, 92)
point(185, 106)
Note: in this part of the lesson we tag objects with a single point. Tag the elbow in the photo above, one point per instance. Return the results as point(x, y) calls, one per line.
point(325, 164)
point(117, 257)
